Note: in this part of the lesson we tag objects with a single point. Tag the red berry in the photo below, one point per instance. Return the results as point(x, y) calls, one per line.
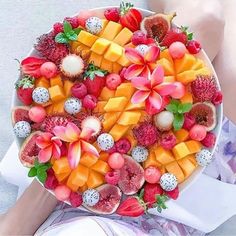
point(89, 102)
point(194, 47)
point(112, 150)
point(173, 194)
point(168, 140)
point(112, 177)
point(73, 21)
point(217, 98)
point(112, 14)
point(209, 140)
point(123, 145)
point(174, 35)
point(113, 81)
point(58, 27)
point(198, 132)
point(189, 121)
point(76, 199)
point(139, 37)
point(79, 90)
point(51, 181)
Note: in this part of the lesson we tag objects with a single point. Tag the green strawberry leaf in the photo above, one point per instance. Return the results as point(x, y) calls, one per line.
point(61, 38)
point(141, 194)
point(178, 121)
point(67, 27)
point(77, 30)
point(32, 172)
point(71, 35)
point(190, 36)
point(160, 202)
point(93, 70)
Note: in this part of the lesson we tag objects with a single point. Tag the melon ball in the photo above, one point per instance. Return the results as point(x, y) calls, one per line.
point(177, 50)
point(37, 114)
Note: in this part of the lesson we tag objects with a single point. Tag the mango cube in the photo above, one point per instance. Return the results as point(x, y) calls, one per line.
point(187, 166)
point(58, 107)
point(95, 59)
point(100, 46)
point(118, 131)
point(86, 38)
point(193, 146)
point(124, 61)
point(125, 90)
point(95, 179)
point(111, 30)
point(116, 104)
point(100, 107)
point(56, 81)
point(175, 169)
point(151, 161)
point(180, 150)
point(106, 94)
point(109, 120)
point(62, 177)
point(61, 166)
point(67, 87)
point(101, 167)
point(181, 135)
point(123, 37)
point(129, 118)
point(167, 66)
point(138, 106)
point(198, 64)
point(42, 82)
point(114, 52)
point(88, 160)
point(186, 77)
point(116, 68)
point(106, 65)
point(56, 93)
point(185, 63)
point(104, 24)
point(163, 156)
point(187, 98)
point(166, 54)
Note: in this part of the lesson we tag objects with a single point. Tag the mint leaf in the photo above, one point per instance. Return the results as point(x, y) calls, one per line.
point(172, 108)
point(77, 30)
point(32, 172)
point(71, 35)
point(178, 121)
point(42, 175)
point(61, 38)
point(67, 27)
point(186, 107)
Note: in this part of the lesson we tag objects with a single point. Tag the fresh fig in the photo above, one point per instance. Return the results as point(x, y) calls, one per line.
point(204, 114)
point(29, 150)
point(156, 26)
point(110, 196)
point(131, 176)
point(20, 113)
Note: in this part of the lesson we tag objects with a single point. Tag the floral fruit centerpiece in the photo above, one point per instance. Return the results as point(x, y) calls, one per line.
point(112, 106)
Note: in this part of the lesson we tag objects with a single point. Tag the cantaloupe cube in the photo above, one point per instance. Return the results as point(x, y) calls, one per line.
point(95, 59)
point(67, 87)
point(86, 38)
point(180, 150)
point(129, 118)
point(175, 169)
point(101, 167)
point(181, 135)
point(116, 104)
point(56, 93)
point(198, 64)
point(124, 61)
point(116, 68)
point(104, 24)
point(169, 79)
point(74, 45)
point(62, 177)
point(78, 177)
point(100, 107)
point(109, 120)
point(123, 37)
point(166, 54)
point(192, 158)
point(49, 110)
point(203, 71)
point(95, 179)
point(193, 146)
point(103, 156)
point(42, 82)
point(187, 166)
point(131, 139)
point(167, 66)
point(106, 94)
point(100, 46)
point(111, 30)
point(118, 131)
point(58, 107)
point(163, 156)
point(187, 98)
point(61, 166)
point(137, 106)
point(88, 160)
point(114, 52)
point(56, 81)
point(106, 65)
point(186, 77)
point(185, 63)
point(125, 90)
point(151, 161)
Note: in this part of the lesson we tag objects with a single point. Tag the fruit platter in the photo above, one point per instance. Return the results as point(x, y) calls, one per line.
point(117, 110)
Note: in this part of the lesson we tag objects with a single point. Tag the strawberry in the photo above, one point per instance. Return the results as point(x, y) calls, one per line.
point(132, 206)
point(130, 17)
point(176, 35)
point(173, 194)
point(150, 193)
point(24, 89)
point(31, 66)
point(94, 80)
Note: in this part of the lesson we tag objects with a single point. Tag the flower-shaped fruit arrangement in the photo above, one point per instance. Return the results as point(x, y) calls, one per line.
point(112, 106)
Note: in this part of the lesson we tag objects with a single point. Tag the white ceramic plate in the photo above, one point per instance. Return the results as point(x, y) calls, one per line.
point(99, 12)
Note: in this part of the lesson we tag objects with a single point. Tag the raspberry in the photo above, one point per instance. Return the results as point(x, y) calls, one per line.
point(58, 27)
point(112, 150)
point(112, 177)
point(150, 192)
point(209, 140)
point(112, 14)
point(194, 47)
point(74, 21)
point(79, 90)
point(51, 50)
point(146, 134)
point(123, 145)
point(51, 181)
point(217, 98)
point(168, 140)
point(89, 102)
point(139, 37)
point(173, 194)
point(76, 199)
point(203, 88)
point(189, 121)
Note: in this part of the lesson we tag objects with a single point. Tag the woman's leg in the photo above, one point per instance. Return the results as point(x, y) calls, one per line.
point(225, 62)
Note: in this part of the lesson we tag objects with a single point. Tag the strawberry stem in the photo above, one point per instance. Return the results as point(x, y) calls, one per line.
point(92, 71)
point(125, 7)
